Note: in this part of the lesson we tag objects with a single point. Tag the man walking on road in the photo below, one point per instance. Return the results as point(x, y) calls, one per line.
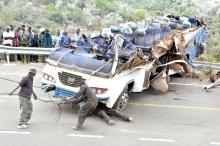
point(25, 93)
point(90, 102)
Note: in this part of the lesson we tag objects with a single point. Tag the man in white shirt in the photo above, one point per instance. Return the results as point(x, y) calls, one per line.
point(8, 37)
point(77, 36)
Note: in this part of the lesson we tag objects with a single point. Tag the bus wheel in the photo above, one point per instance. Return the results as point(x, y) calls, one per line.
point(122, 101)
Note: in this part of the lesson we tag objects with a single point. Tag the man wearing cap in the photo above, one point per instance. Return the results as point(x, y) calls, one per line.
point(25, 93)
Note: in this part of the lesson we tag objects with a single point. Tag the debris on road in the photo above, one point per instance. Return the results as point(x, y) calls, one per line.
point(215, 78)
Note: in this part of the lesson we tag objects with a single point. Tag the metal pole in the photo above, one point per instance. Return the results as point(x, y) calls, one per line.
point(8, 58)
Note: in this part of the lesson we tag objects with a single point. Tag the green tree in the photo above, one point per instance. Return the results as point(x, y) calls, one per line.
point(105, 6)
point(139, 14)
point(55, 15)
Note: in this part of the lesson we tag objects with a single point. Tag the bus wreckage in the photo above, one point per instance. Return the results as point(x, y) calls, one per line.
point(118, 61)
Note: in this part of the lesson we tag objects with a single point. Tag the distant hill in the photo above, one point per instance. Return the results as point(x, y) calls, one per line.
point(96, 14)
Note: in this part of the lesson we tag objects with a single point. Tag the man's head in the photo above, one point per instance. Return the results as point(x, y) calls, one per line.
point(8, 28)
point(29, 29)
point(58, 32)
point(18, 28)
point(78, 31)
point(47, 31)
point(11, 27)
point(32, 71)
point(65, 33)
point(23, 27)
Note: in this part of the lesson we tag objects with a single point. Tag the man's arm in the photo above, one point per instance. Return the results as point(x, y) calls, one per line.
point(78, 97)
point(35, 96)
point(12, 92)
point(78, 100)
point(80, 92)
point(21, 83)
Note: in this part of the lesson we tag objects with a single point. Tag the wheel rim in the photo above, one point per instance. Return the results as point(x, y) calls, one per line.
point(123, 101)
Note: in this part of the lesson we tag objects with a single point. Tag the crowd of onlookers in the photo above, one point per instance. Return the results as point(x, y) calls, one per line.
point(28, 37)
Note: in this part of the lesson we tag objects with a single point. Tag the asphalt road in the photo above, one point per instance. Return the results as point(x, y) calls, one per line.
point(185, 116)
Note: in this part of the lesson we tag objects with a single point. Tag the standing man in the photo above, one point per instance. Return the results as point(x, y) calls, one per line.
point(13, 33)
point(90, 102)
point(26, 106)
point(77, 36)
point(8, 37)
point(17, 35)
point(65, 40)
point(2, 56)
point(46, 42)
point(1, 35)
point(24, 42)
point(30, 36)
point(57, 39)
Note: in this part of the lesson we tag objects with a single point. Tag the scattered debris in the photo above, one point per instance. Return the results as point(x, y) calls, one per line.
point(215, 78)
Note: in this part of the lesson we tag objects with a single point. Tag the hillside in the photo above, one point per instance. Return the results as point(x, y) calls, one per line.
point(95, 14)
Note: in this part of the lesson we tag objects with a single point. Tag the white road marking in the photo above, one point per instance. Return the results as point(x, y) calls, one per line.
point(215, 143)
point(8, 96)
point(19, 74)
point(193, 84)
point(176, 106)
point(156, 140)
point(2, 100)
point(14, 132)
point(8, 64)
point(88, 136)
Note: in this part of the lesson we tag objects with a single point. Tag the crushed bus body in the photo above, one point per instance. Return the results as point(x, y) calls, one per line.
point(124, 59)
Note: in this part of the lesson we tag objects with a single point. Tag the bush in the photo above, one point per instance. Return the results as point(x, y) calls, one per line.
point(214, 57)
point(138, 15)
point(75, 14)
point(7, 17)
point(105, 6)
point(57, 17)
point(54, 14)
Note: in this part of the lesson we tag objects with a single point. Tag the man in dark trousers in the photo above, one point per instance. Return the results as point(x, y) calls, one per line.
point(25, 93)
point(90, 102)
point(104, 112)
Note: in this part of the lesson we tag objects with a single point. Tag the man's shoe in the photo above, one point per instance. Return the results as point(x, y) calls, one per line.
point(76, 128)
point(22, 126)
point(111, 122)
point(130, 119)
point(29, 122)
point(19, 126)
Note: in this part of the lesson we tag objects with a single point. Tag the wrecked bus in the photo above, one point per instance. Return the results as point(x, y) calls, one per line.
point(129, 65)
